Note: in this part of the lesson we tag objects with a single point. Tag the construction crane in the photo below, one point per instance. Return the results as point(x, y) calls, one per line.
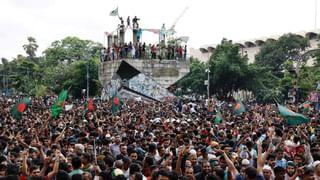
point(171, 31)
point(178, 18)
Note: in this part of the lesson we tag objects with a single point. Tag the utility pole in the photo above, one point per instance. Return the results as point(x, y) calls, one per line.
point(87, 78)
point(208, 83)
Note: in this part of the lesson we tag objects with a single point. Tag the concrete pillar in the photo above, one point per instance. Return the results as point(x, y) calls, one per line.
point(110, 41)
point(134, 36)
point(122, 31)
point(116, 40)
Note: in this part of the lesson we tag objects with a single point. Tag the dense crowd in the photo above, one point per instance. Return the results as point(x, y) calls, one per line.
point(158, 141)
point(143, 51)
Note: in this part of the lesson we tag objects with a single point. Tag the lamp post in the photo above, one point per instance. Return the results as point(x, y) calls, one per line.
point(208, 82)
point(87, 77)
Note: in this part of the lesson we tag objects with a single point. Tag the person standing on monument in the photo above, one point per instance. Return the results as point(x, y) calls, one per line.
point(163, 33)
point(121, 24)
point(135, 23)
point(128, 21)
point(185, 52)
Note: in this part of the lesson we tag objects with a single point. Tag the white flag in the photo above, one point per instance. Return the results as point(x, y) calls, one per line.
point(184, 39)
point(114, 12)
point(68, 107)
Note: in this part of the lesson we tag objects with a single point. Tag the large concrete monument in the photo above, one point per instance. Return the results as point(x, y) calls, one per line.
point(145, 78)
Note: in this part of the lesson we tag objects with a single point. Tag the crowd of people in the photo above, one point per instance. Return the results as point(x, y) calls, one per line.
point(171, 140)
point(143, 51)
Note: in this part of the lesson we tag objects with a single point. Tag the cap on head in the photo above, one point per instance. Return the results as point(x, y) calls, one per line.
point(245, 162)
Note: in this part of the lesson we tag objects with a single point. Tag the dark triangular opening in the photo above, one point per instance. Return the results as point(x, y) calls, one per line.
point(126, 71)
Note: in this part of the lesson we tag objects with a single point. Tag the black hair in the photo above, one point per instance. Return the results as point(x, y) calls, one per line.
point(134, 168)
point(76, 162)
point(271, 156)
point(62, 175)
point(119, 177)
point(3, 167)
point(77, 177)
point(12, 169)
point(251, 172)
point(138, 176)
point(109, 160)
point(87, 156)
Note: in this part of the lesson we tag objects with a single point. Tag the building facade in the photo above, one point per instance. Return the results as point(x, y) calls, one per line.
point(252, 47)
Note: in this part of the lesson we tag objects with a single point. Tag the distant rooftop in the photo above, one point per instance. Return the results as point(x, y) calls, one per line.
point(252, 46)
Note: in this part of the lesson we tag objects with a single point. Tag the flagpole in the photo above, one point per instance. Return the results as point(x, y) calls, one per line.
point(95, 151)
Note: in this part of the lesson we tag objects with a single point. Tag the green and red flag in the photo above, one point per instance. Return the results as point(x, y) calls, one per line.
point(19, 108)
point(292, 118)
point(57, 107)
point(306, 106)
point(115, 104)
point(88, 106)
point(239, 108)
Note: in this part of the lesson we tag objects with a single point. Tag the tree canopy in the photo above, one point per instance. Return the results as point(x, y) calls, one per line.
point(273, 54)
point(63, 65)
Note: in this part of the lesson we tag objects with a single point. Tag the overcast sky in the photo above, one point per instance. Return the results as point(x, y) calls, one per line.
point(205, 22)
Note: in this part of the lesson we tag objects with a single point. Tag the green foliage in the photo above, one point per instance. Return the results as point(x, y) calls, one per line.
point(78, 79)
point(273, 54)
point(50, 74)
point(71, 49)
point(228, 69)
point(31, 47)
point(40, 90)
point(194, 81)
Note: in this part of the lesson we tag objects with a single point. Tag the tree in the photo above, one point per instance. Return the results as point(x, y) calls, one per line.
point(78, 78)
point(228, 69)
point(63, 66)
point(194, 80)
point(31, 47)
point(27, 76)
point(71, 49)
point(274, 53)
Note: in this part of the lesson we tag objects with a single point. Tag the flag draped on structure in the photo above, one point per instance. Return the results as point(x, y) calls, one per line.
point(239, 108)
point(57, 108)
point(19, 108)
point(292, 117)
point(114, 12)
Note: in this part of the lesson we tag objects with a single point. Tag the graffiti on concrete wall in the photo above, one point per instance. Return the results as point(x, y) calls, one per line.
point(111, 89)
point(145, 85)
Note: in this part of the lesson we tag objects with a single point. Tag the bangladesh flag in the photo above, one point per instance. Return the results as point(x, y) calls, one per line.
point(19, 108)
point(292, 117)
point(88, 106)
point(57, 108)
point(115, 104)
point(239, 108)
point(306, 106)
